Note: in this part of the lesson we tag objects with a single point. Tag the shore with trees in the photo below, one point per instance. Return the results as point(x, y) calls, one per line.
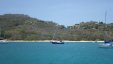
point(24, 27)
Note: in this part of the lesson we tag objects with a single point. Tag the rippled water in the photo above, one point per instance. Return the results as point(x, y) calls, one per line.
point(47, 53)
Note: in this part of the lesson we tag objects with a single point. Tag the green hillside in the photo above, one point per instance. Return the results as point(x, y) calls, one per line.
point(24, 27)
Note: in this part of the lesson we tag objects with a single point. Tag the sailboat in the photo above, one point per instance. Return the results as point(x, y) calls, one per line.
point(57, 42)
point(2, 40)
point(107, 43)
point(54, 41)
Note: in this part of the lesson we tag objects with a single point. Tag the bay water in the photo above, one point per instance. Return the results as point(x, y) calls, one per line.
point(47, 53)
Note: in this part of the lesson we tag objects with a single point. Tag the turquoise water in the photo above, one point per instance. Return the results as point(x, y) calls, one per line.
point(47, 53)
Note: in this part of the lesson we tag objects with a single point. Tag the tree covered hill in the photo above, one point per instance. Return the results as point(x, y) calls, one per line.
point(24, 27)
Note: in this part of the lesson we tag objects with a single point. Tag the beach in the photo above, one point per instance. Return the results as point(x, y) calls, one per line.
point(46, 41)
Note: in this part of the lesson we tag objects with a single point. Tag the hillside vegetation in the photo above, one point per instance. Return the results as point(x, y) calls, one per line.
point(24, 27)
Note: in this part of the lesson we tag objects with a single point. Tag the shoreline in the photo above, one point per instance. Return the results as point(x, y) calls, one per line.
point(44, 41)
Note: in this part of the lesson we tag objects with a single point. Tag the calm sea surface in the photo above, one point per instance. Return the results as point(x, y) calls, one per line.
point(47, 53)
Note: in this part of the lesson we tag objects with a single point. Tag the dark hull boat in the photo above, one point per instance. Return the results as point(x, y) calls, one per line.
point(57, 42)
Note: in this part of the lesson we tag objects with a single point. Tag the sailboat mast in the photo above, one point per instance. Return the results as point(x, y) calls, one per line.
point(105, 16)
point(53, 36)
point(105, 37)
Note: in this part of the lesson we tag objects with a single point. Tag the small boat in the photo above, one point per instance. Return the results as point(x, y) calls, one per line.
point(3, 42)
point(57, 42)
point(106, 44)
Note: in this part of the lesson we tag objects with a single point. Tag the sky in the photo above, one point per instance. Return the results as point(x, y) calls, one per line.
point(64, 12)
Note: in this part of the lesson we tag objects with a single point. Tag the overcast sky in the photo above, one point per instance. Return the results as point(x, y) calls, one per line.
point(66, 12)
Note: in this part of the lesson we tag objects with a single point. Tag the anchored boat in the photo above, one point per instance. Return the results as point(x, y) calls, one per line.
point(3, 42)
point(57, 42)
point(107, 42)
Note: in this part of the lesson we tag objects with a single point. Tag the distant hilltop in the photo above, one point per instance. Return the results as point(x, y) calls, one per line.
point(24, 27)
